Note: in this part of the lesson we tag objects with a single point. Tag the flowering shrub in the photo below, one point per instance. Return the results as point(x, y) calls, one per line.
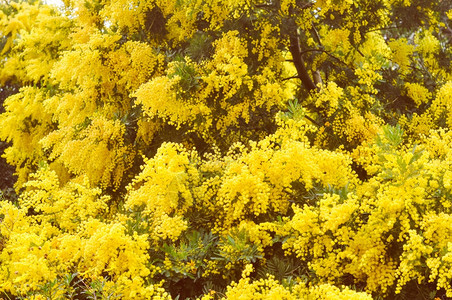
point(227, 149)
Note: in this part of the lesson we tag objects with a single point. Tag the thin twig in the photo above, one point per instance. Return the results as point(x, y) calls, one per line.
point(293, 77)
point(382, 28)
point(328, 53)
point(312, 120)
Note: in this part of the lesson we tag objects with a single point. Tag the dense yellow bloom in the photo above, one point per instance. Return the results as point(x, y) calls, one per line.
point(25, 258)
point(174, 148)
point(125, 14)
point(441, 105)
point(258, 181)
point(269, 288)
point(25, 108)
point(418, 93)
point(401, 54)
point(329, 98)
point(159, 98)
point(66, 206)
point(134, 64)
point(97, 144)
point(106, 247)
point(336, 39)
point(34, 63)
point(163, 189)
point(368, 77)
point(427, 43)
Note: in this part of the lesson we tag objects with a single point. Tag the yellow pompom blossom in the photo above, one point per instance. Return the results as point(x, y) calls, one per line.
point(26, 261)
point(447, 180)
point(329, 6)
point(167, 227)
point(357, 128)
point(368, 76)
point(329, 98)
point(220, 82)
point(12, 219)
point(34, 24)
point(63, 207)
point(228, 75)
point(106, 247)
point(25, 108)
point(160, 99)
point(163, 189)
point(438, 143)
point(229, 71)
point(86, 66)
point(427, 43)
point(269, 41)
point(147, 130)
point(134, 64)
point(371, 128)
point(418, 125)
point(429, 46)
point(269, 288)
point(418, 93)
point(261, 289)
point(394, 200)
point(11, 25)
point(226, 149)
point(374, 53)
point(326, 291)
point(401, 54)
point(336, 40)
point(257, 234)
point(257, 182)
point(125, 14)
point(410, 266)
point(96, 143)
point(35, 253)
point(441, 105)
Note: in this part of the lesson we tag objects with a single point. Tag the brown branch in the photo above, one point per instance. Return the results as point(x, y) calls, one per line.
point(311, 50)
point(316, 34)
point(328, 53)
point(381, 28)
point(292, 77)
point(263, 5)
point(299, 62)
point(359, 51)
point(312, 120)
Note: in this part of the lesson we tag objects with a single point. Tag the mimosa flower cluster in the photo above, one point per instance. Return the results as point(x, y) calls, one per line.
point(227, 149)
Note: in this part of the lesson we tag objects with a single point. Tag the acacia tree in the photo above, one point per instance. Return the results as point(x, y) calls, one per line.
point(222, 148)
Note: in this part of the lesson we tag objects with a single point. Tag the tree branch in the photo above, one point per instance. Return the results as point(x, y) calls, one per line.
point(299, 62)
point(312, 120)
point(292, 77)
point(328, 53)
point(316, 34)
point(381, 28)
